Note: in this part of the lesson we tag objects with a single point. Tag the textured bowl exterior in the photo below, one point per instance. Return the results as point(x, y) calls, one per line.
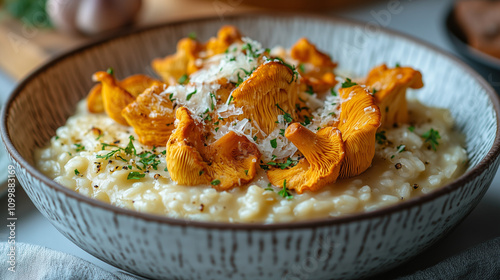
point(344, 248)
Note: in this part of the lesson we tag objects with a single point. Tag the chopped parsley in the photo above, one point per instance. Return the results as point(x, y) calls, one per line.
point(149, 159)
point(380, 137)
point(274, 143)
point(230, 100)
point(170, 96)
point(282, 131)
point(288, 118)
point(215, 182)
point(110, 71)
point(255, 138)
point(284, 192)
point(188, 97)
point(401, 148)
point(246, 172)
point(269, 189)
point(129, 150)
point(135, 175)
point(289, 163)
point(432, 136)
point(183, 79)
point(374, 91)
point(411, 128)
point(192, 35)
point(302, 68)
point(166, 169)
point(250, 51)
point(348, 83)
point(79, 147)
point(332, 91)
point(397, 65)
point(310, 90)
point(201, 172)
point(77, 172)
point(306, 121)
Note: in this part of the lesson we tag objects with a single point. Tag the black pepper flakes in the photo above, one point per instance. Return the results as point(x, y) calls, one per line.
point(96, 186)
point(125, 168)
point(398, 165)
point(157, 176)
point(116, 142)
point(202, 207)
point(415, 186)
point(110, 161)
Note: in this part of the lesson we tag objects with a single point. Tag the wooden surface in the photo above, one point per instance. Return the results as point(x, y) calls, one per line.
point(23, 48)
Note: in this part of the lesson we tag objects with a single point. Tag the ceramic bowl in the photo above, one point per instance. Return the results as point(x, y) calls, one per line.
point(349, 247)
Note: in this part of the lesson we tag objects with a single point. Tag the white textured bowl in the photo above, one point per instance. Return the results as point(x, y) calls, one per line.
point(349, 247)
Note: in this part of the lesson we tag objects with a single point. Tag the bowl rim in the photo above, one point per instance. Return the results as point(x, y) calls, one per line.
point(490, 157)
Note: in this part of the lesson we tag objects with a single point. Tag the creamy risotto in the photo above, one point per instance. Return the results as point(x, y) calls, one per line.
point(97, 156)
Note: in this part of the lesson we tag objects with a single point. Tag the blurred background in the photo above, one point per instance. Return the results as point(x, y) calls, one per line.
point(34, 31)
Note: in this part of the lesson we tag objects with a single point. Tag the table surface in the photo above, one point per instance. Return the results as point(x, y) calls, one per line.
point(422, 19)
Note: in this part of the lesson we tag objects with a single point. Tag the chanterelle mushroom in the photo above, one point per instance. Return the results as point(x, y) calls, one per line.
point(135, 85)
point(114, 97)
point(174, 66)
point(226, 36)
point(184, 61)
point(323, 152)
point(358, 121)
point(271, 90)
point(317, 70)
point(228, 162)
point(152, 116)
point(390, 91)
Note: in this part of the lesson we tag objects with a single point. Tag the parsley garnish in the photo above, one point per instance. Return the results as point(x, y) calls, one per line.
point(374, 91)
point(183, 79)
point(274, 144)
point(397, 65)
point(192, 35)
point(255, 138)
point(282, 132)
point(77, 172)
point(310, 90)
point(269, 189)
point(348, 83)
point(188, 97)
point(130, 149)
point(380, 137)
point(201, 172)
point(288, 118)
point(215, 182)
point(302, 68)
point(135, 175)
point(246, 172)
point(148, 158)
point(212, 97)
point(332, 91)
point(79, 147)
point(110, 71)
point(170, 96)
point(289, 163)
point(411, 128)
point(401, 148)
point(306, 121)
point(230, 100)
point(166, 169)
point(284, 192)
point(432, 136)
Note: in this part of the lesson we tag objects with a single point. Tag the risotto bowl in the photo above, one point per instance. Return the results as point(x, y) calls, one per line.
point(353, 246)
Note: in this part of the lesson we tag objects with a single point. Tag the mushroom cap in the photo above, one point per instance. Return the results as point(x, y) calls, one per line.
point(270, 84)
point(135, 85)
point(114, 97)
point(152, 117)
point(358, 121)
point(323, 151)
point(226, 36)
point(391, 85)
point(172, 67)
point(319, 75)
point(232, 160)
point(185, 164)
